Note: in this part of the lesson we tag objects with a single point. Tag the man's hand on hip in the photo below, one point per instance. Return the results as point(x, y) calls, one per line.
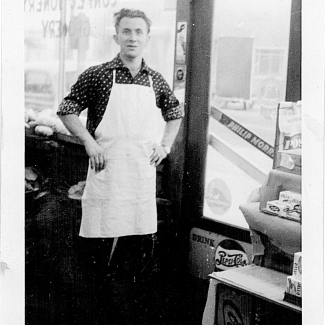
point(157, 155)
point(96, 155)
point(94, 151)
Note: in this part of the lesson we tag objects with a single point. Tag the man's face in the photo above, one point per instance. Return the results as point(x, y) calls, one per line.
point(132, 36)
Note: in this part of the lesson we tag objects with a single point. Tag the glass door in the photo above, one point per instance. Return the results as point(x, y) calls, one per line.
point(248, 80)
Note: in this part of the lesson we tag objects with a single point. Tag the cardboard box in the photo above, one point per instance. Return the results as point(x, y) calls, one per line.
point(294, 286)
point(297, 266)
point(291, 215)
point(294, 199)
point(288, 196)
point(276, 207)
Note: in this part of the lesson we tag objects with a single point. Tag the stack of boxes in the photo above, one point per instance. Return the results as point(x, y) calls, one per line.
point(294, 281)
point(288, 206)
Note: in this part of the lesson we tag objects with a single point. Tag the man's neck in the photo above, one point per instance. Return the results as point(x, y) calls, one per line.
point(133, 64)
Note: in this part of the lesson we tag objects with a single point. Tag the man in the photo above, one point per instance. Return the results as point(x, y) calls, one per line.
point(123, 97)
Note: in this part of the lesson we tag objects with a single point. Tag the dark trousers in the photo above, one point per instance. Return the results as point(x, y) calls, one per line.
point(114, 284)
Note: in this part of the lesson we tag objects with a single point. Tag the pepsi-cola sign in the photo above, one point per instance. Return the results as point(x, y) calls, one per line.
point(230, 254)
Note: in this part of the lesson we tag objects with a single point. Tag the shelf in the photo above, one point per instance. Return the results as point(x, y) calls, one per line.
point(259, 281)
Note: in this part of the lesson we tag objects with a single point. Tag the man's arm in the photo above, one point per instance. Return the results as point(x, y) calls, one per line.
point(94, 151)
point(172, 113)
point(170, 133)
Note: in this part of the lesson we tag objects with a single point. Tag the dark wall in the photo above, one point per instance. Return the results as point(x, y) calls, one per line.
point(198, 109)
point(293, 91)
point(176, 160)
point(186, 164)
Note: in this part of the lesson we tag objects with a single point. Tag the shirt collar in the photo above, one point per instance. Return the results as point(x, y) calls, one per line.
point(118, 64)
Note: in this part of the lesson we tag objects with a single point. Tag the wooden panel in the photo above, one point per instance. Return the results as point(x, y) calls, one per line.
point(233, 306)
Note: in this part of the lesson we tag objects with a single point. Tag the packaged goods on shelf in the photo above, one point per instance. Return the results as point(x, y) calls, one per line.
point(276, 207)
point(291, 215)
point(293, 291)
point(294, 199)
point(294, 286)
point(283, 210)
point(297, 266)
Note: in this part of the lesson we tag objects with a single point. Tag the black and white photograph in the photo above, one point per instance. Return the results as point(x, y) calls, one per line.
point(162, 162)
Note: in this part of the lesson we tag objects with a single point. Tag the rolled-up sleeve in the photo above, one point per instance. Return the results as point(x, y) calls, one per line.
point(167, 102)
point(79, 96)
point(173, 113)
point(68, 106)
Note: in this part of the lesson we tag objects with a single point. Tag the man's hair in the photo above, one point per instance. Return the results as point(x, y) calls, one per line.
point(130, 13)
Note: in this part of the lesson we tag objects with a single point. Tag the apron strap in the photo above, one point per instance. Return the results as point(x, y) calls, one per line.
point(114, 73)
point(150, 81)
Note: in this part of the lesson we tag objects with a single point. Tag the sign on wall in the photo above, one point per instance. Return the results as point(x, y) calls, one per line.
point(211, 252)
point(229, 255)
point(218, 196)
point(180, 63)
point(181, 37)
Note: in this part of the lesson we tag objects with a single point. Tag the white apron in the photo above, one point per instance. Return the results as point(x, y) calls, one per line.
point(121, 199)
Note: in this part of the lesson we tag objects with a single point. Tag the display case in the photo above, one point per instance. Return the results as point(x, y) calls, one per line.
point(258, 293)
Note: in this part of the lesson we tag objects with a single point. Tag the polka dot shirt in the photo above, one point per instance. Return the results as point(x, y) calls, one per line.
point(93, 89)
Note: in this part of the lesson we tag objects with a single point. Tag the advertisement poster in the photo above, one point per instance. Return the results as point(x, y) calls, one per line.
point(180, 77)
point(181, 42)
point(290, 126)
point(179, 83)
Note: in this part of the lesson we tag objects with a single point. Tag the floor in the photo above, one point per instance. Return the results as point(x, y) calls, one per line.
point(63, 287)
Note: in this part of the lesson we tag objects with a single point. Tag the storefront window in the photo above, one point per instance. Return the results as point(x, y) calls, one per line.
point(248, 80)
point(269, 62)
point(63, 38)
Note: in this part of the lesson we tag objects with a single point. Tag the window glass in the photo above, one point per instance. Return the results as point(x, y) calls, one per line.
point(41, 43)
point(87, 30)
point(248, 80)
point(38, 81)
